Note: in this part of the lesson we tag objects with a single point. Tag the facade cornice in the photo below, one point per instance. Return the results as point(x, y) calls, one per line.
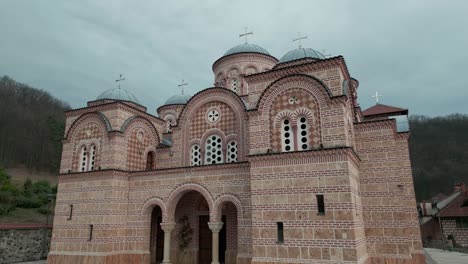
point(324, 154)
point(299, 68)
point(113, 105)
point(193, 169)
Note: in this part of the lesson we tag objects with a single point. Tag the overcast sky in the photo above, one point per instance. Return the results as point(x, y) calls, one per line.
point(412, 52)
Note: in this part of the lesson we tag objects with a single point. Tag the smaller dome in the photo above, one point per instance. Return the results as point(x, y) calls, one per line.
point(118, 94)
point(178, 99)
point(301, 53)
point(246, 47)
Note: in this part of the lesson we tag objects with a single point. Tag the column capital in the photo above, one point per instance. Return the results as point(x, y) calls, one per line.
point(167, 226)
point(215, 226)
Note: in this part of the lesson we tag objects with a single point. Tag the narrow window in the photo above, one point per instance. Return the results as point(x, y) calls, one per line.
point(320, 204)
point(287, 141)
point(92, 158)
point(90, 232)
point(235, 85)
point(279, 229)
point(195, 158)
point(71, 212)
point(83, 159)
point(150, 161)
point(231, 155)
point(302, 133)
point(213, 150)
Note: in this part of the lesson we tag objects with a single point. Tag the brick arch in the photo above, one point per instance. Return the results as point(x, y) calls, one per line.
point(306, 105)
point(134, 119)
point(177, 194)
point(210, 95)
point(145, 212)
point(312, 85)
point(98, 117)
point(227, 198)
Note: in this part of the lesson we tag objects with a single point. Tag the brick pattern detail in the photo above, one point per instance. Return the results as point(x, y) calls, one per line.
point(90, 133)
point(139, 138)
point(226, 123)
point(304, 105)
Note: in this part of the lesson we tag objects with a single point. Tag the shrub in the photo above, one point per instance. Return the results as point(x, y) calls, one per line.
point(28, 202)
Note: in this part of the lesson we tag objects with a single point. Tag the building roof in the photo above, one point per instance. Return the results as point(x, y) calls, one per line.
point(381, 109)
point(246, 48)
point(301, 53)
point(458, 206)
point(118, 94)
point(178, 99)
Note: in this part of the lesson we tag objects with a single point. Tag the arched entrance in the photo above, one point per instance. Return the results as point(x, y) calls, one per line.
point(192, 236)
point(157, 236)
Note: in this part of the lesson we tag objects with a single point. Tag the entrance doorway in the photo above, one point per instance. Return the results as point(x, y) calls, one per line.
point(205, 243)
point(157, 236)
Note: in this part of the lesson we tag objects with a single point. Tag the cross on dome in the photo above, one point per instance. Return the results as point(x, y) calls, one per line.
point(245, 34)
point(299, 38)
point(121, 79)
point(181, 85)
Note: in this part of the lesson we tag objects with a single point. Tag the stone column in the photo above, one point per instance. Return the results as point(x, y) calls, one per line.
point(167, 228)
point(215, 228)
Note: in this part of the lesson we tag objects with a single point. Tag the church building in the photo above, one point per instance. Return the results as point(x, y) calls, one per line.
point(276, 163)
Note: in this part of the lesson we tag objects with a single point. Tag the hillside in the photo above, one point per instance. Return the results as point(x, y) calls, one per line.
point(32, 124)
point(439, 153)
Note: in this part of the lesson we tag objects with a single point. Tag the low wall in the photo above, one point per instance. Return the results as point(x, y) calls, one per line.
point(23, 242)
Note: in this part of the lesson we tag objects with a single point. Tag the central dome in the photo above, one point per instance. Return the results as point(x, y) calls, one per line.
point(178, 99)
point(301, 53)
point(118, 94)
point(246, 48)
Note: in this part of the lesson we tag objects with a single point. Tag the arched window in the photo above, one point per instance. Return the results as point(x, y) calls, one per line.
point(287, 136)
point(195, 155)
point(214, 150)
point(83, 159)
point(150, 161)
point(92, 158)
point(302, 133)
point(231, 155)
point(235, 85)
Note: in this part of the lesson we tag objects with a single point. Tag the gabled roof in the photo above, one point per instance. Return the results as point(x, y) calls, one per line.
point(380, 109)
point(458, 207)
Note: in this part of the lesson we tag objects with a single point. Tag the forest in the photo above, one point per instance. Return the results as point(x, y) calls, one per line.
point(32, 124)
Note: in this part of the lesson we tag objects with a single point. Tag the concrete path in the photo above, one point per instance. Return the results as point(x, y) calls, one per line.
point(438, 256)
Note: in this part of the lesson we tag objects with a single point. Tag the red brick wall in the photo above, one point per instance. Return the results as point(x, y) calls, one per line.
point(387, 192)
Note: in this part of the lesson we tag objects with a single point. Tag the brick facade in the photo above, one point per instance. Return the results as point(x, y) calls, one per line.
point(360, 168)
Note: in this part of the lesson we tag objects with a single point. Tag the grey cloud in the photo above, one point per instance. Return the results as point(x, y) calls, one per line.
point(413, 52)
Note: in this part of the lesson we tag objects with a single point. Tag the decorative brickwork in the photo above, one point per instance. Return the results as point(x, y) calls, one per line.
point(272, 167)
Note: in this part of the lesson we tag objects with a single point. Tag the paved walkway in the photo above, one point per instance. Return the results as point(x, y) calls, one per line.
point(438, 256)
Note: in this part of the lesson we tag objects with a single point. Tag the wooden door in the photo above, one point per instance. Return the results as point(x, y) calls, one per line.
point(204, 240)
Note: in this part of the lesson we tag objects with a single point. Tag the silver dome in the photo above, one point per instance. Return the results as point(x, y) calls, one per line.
point(118, 94)
point(246, 47)
point(178, 99)
point(301, 53)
